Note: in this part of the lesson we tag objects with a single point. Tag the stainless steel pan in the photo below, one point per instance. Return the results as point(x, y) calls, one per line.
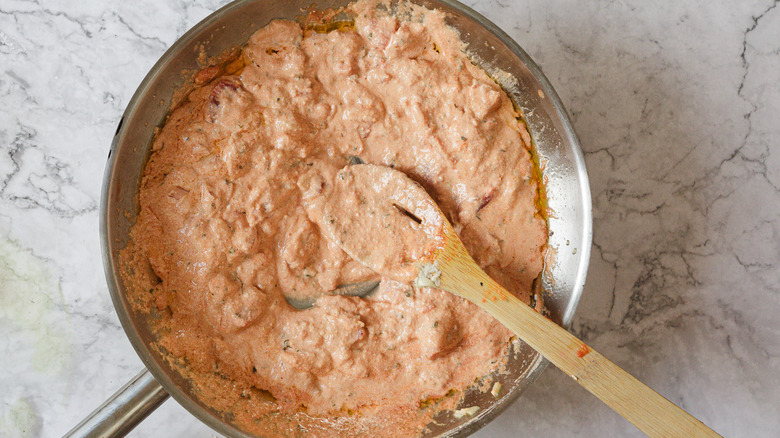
point(557, 145)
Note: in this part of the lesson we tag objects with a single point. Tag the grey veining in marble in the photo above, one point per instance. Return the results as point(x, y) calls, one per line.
point(678, 108)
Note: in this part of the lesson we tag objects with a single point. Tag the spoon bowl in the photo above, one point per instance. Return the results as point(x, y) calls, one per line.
point(361, 289)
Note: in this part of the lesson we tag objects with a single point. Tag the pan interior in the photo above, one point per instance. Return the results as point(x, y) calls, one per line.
point(563, 170)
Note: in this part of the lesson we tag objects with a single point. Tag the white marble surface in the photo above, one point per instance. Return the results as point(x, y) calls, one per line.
point(677, 105)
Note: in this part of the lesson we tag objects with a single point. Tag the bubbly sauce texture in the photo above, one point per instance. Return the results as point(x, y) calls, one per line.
point(234, 209)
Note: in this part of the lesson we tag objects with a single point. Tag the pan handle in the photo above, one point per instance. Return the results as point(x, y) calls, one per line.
point(124, 410)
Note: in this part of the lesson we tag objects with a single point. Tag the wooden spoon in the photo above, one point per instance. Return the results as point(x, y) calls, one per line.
point(442, 261)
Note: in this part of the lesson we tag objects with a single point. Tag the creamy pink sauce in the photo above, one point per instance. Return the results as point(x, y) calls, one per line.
point(232, 220)
point(379, 217)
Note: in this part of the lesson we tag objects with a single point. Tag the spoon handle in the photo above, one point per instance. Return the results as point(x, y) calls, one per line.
point(636, 402)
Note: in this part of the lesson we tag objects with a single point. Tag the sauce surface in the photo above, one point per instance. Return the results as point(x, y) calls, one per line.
point(380, 218)
point(232, 220)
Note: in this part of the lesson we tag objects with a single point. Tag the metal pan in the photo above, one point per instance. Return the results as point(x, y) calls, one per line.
point(556, 143)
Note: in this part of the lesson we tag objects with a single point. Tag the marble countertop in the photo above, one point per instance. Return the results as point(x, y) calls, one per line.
point(677, 105)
